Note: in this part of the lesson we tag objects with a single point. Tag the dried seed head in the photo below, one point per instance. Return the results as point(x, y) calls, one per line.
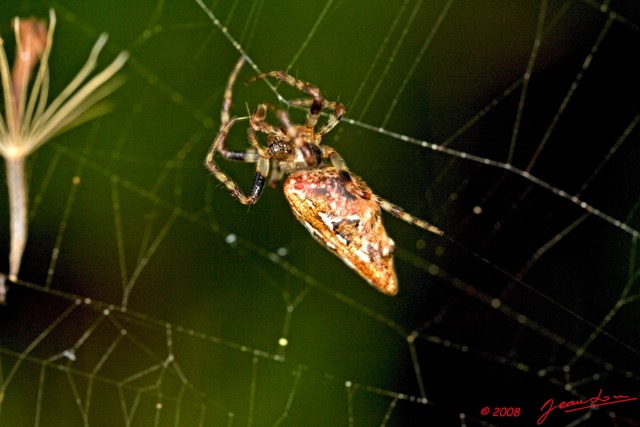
point(31, 40)
point(30, 120)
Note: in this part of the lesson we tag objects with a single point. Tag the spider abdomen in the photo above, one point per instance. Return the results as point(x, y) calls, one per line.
point(348, 225)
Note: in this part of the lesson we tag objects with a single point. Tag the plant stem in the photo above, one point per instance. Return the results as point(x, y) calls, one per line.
point(18, 202)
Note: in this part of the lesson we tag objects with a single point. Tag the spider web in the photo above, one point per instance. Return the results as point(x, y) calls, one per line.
point(149, 296)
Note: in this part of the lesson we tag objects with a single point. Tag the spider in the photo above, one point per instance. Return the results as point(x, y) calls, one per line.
point(336, 206)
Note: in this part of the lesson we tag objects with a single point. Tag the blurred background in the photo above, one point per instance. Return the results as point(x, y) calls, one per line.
point(149, 296)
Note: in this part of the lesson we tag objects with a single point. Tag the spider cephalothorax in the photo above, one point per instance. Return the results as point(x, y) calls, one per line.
point(336, 206)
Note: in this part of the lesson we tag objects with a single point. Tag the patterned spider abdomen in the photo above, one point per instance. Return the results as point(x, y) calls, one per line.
point(348, 225)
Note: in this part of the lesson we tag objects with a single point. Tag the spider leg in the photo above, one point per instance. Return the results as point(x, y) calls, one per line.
point(225, 118)
point(400, 213)
point(257, 122)
point(337, 108)
point(315, 104)
point(249, 156)
point(228, 93)
point(259, 179)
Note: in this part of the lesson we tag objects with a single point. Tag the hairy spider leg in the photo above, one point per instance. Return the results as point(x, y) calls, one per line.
point(334, 118)
point(258, 124)
point(259, 178)
point(316, 103)
point(400, 213)
point(228, 93)
point(249, 156)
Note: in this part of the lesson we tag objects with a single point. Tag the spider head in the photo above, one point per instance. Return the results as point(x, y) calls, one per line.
point(299, 148)
point(281, 150)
